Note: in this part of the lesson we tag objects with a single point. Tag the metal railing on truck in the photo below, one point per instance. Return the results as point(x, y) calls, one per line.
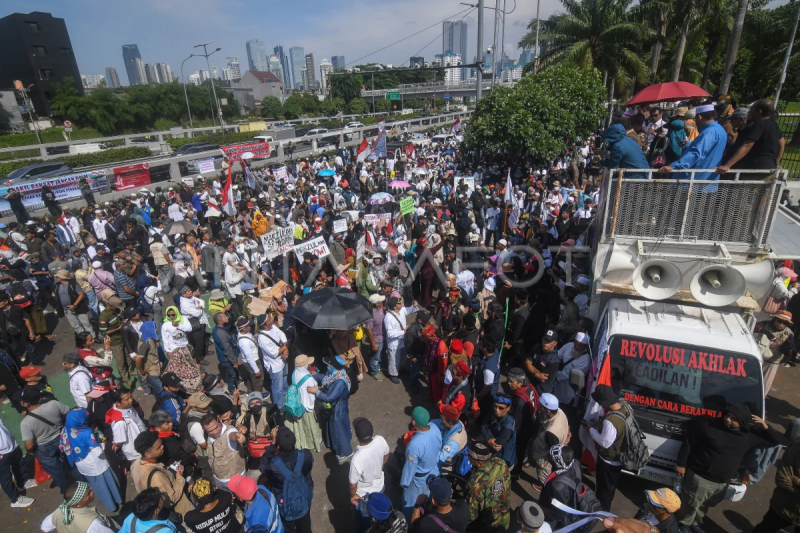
point(736, 212)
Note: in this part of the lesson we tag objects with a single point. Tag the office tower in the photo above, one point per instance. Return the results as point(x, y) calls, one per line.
point(130, 52)
point(297, 59)
point(164, 72)
point(226, 74)
point(139, 71)
point(214, 72)
point(526, 56)
point(99, 79)
point(337, 62)
point(454, 39)
point(203, 75)
point(86, 81)
point(325, 69)
point(276, 67)
point(311, 76)
point(416, 61)
point(112, 79)
point(233, 65)
point(451, 75)
point(257, 56)
point(287, 71)
point(151, 72)
point(194, 79)
point(303, 80)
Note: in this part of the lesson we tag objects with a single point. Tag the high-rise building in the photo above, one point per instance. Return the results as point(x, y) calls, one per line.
point(311, 76)
point(203, 73)
point(112, 78)
point(276, 67)
point(257, 56)
point(99, 79)
point(87, 81)
point(451, 75)
point(325, 70)
point(233, 65)
point(337, 62)
point(151, 72)
point(37, 50)
point(454, 38)
point(226, 74)
point(164, 72)
point(194, 79)
point(512, 72)
point(297, 58)
point(214, 72)
point(526, 56)
point(416, 62)
point(287, 71)
point(139, 71)
point(130, 52)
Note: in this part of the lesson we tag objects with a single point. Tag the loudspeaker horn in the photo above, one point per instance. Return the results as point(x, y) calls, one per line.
point(621, 260)
point(717, 285)
point(657, 279)
point(758, 277)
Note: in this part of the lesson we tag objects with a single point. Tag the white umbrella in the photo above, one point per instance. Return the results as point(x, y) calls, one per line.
point(248, 155)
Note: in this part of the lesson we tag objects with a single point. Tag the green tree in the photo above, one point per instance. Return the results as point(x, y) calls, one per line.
point(539, 114)
point(271, 107)
point(346, 86)
point(382, 106)
point(601, 34)
point(328, 108)
point(357, 106)
point(293, 107)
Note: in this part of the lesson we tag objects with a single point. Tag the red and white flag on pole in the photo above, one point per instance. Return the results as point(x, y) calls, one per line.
point(228, 204)
point(422, 164)
point(457, 125)
point(363, 151)
point(382, 125)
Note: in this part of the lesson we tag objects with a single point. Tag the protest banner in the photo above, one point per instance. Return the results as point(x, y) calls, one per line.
point(315, 246)
point(378, 220)
point(278, 241)
point(132, 176)
point(235, 151)
point(407, 205)
point(281, 173)
point(206, 165)
point(468, 180)
point(340, 225)
point(361, 247)
point(353, 215)
point(65, 189)
point(188, 180)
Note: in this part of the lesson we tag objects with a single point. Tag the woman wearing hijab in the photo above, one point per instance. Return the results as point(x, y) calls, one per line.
point(335, 391)
point(306, 428)
point(84, 452)
point(676, 140)
point(176, 345)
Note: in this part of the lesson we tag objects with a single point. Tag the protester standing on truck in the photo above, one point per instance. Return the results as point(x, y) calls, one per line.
point(710, 456)
point(776, 342)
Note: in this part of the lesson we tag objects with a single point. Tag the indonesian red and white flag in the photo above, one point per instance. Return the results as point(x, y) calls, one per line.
point(363, 151)
point(421, 164)
point(457, 125)
point(228, 204)
point(382, 125)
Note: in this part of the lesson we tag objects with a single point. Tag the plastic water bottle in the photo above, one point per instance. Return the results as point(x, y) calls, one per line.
point(676, 487)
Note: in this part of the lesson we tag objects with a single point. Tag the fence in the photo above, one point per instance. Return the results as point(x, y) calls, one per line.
point(790, 123)
point(735, 212)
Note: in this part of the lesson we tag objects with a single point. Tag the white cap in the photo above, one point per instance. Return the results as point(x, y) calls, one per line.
point(703, 109)
point(375, 298)
point(503, 242)
point(582, 279)
point(97, 264)
point(549, 401)
point(582, 338)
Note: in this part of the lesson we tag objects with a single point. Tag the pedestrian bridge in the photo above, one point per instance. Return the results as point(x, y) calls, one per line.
point(436, 89)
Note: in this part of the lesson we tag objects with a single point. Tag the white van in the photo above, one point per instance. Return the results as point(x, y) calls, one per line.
point(88, 148)
point(672, 363)
point(263, 139)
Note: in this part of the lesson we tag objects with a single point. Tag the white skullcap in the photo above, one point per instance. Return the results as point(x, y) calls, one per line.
point(97, 264)
point(704, 108)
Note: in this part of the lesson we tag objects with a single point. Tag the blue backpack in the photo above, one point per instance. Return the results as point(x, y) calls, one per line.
point(294, 401)
point(295, 501)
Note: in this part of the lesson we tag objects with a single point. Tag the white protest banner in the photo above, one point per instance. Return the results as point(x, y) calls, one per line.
point(315, 246)
point(361, 247)
point(188, 180)
point(340, 225)
point(281, 173)
point(378, 220)
point(278, 241)
point(468, 180)
point(352, 214)
point(206, 165)
point(64, 187)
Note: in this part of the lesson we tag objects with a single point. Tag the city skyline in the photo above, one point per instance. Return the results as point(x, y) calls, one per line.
point(167, 32)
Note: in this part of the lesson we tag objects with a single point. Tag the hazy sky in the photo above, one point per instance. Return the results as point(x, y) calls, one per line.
point(166, 30)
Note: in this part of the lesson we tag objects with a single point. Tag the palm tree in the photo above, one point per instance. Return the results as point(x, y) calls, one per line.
point(733, 46)
point(602, 34)
point(717, 21)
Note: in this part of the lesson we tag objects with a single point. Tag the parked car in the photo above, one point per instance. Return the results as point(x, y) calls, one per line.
point(353, 125)
point(315, 131)
point(194, 148)
point(38, 171)
point(263, 139)
point(88, 148)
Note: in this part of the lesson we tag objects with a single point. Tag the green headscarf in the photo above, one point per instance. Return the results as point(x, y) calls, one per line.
point(178, 316)
point(65, 507)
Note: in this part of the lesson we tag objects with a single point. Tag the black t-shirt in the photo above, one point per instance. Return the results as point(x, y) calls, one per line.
point(457, 519)
point(220, 519)
point(764, 155)
point(545, 363)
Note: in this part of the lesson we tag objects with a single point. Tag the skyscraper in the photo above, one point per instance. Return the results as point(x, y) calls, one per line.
point(139, 71)
point(325, 69)
point(526, 56)
point(454, 39)
point(151, 72)
point(337, 62)
point(203, 75)
point(233, 65)
point(452, 75)
point(130, 52)
point(275, 67)
point(257, 56)
point(287, 71)
point(112, 79)
point(297, 58)
point(416, 61)
point(164, 72)
point(311, 76)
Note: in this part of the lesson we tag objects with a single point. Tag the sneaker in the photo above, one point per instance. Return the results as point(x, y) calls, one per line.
point(23, 501)
point(31, 483)
point(378, 376)
point(394, 379)
point(536, 486)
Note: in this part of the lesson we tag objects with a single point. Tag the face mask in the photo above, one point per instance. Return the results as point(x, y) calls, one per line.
point(256, 409)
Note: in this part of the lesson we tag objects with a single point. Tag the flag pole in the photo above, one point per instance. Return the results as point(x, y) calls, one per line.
point(507, 198)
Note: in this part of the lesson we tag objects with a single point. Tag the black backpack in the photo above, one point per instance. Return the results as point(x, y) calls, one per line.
point(584, 500)
point(187, 444)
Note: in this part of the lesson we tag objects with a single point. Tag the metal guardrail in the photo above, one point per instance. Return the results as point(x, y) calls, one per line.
point(734, 212)
point(438, 86)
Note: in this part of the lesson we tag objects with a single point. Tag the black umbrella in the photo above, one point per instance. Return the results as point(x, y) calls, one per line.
point(332, 308)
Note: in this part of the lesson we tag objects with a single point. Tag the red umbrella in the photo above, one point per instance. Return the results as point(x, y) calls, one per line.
point(673, 91)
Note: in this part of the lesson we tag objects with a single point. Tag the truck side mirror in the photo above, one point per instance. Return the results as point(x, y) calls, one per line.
point(577, 379)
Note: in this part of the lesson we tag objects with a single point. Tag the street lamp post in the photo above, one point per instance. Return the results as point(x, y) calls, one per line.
point(208, 65)
point(185, 94)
